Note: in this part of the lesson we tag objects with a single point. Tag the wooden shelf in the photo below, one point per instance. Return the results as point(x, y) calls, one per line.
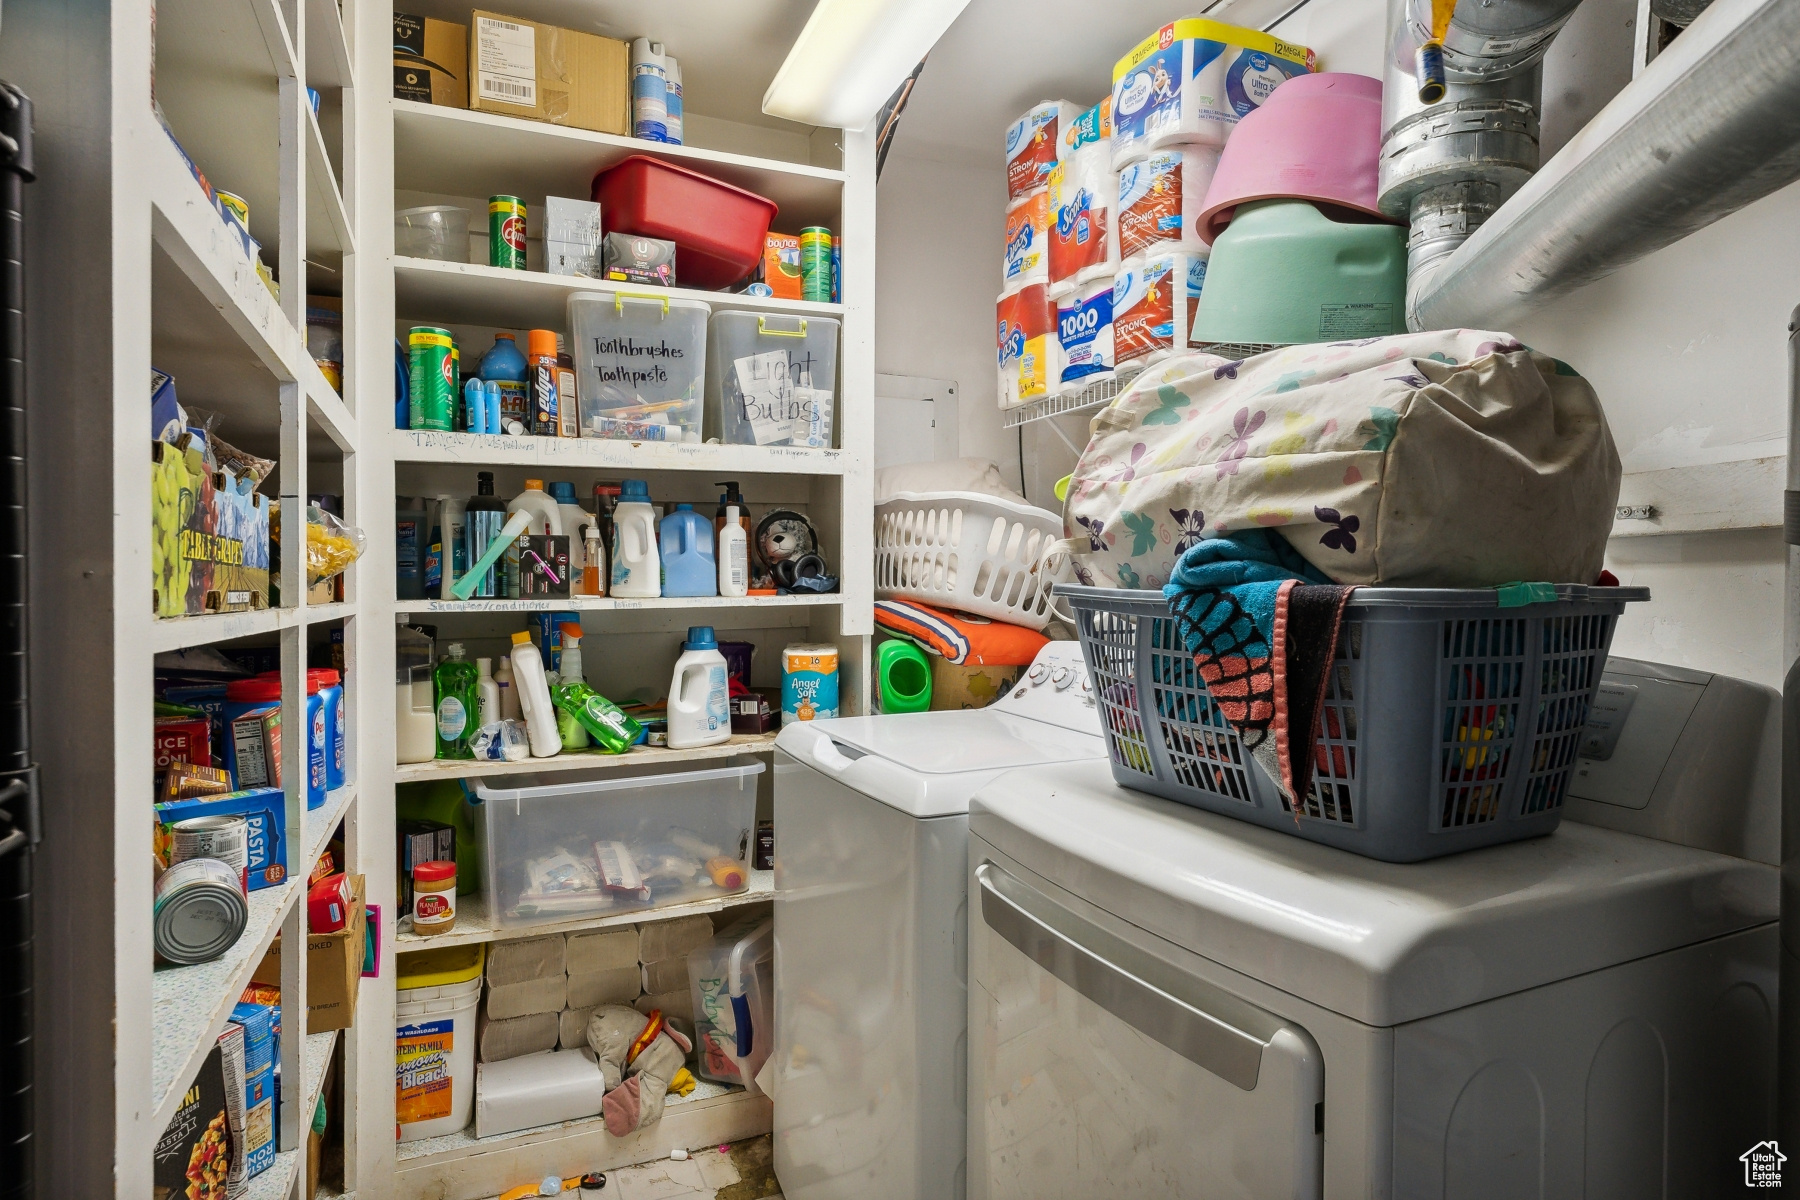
point(444, 293)
point(455, 152)
point(607, 454)
point(637, 758)
point(473, 924)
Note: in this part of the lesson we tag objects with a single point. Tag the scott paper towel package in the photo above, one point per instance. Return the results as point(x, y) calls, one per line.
point(1153, 306)
point(1190, 81)
point(1027, 243)
point(1028, 353)
point(1161, 198)
point(1084, 331)
point(1032, 147)
point(1083, 190)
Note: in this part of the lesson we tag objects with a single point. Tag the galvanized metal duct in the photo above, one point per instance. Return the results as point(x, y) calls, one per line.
point(1711, 125)
point(1447, 166)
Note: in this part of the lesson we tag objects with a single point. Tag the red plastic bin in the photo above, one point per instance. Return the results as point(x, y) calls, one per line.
point(718, 230)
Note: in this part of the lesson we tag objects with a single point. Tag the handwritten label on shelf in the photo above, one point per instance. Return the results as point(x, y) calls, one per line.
point(605, 452)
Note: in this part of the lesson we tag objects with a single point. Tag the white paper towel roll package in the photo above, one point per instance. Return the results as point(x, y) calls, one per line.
point(1153, 306)
point(1033, 145)
point(1084, 334)
point(537, 1089)
point(1027, 257)
point(1190, 81)
point(1084, 244)
point(1161, 198)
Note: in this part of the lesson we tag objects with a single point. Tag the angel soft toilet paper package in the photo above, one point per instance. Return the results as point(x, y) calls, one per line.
point(1033, 145)
point(1153, 306)
point(1161, 198)
point(1190, 81)
point(1084, 330)
point(1084, 245)
point(1027, 259)
point(1028, 352)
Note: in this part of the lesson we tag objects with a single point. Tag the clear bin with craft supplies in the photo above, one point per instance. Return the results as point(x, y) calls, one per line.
point(575, 848)
point(436, 231)
point(640, 365)
point(1447, 722)
point(435, 998)
point(770, 380)
point(733, 982)
point(984, 555)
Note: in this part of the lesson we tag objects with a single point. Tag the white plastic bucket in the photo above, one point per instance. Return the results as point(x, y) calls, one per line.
point(434, 1033)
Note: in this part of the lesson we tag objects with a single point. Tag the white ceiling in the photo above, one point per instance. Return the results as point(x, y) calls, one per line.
point(1003, 56)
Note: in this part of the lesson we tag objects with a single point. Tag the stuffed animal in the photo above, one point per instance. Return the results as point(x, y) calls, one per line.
point(642, 1059)
point(787, 553)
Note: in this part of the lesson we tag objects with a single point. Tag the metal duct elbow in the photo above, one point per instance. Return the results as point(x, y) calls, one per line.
point(1446, 166)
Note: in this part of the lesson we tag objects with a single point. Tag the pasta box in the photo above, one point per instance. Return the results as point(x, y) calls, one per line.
point(265, 813)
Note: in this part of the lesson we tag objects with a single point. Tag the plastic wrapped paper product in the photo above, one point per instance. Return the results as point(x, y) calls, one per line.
point(1033, 146)
point(1189, 82)
point(1161, 199)
point(1084, 244)
point(1084, 332)
point(1027, 259)
point(1029, 354)
point(1153, 306)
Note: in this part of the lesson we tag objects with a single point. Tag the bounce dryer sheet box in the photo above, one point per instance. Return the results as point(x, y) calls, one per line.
point(542, 72)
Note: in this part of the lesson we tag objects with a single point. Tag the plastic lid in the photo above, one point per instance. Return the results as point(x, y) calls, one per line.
point(700, 637)
point(684, 508)
point(732, 494)
point(315, 679)
point(634, 490)
point(606, 489)
point(569, 629)
point(454, 650)
point(327, 676)
point(541, 342)
point(563, 492)
point(521, 638)
point(485, 666)
point(436, 968)
point(506, 337)
point(263, 687)
point(435, 871)
point(534, 485)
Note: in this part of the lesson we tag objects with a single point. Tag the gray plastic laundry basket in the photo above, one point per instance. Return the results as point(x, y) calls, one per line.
point(1448, 722)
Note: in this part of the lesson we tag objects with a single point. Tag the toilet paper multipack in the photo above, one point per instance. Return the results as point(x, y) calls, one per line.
point(1161, 198)
point(1084, 334)
point(1153, 306)
point(1082, 194)
point(1190, 81)
point(1028, 352)
point(1032, 147)
point(1027, 259)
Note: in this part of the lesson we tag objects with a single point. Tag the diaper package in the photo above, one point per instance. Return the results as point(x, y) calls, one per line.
point(1027, 243)
point(1084, 332)
point(1190, 81)
point(1161, 198)
point(1153, 306)
point(1084, 244)
point(1033, 145)
point(1028, 353)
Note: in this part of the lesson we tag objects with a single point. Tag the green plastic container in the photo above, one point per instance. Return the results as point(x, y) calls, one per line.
point(611, 730)
point(904, 677)
point(1283, 272)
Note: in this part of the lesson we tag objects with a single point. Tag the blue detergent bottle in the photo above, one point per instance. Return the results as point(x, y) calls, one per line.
point(504, 364)
point(686, 544)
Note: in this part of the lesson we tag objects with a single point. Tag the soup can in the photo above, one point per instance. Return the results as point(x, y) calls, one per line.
point(200, 912)
point(506, 232)
point(226, 838)
point(431, 381)
point(809, 683)
point(815, 263)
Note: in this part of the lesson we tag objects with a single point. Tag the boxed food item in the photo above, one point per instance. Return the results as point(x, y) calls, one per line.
point(256, 1140)
point(186, 781)
point(193, 1155)
point(431, 61)
point(182, 739)
point(253, 747)
point(265, 815)
point(334, 967)
point(545, 73)
point(209, 547)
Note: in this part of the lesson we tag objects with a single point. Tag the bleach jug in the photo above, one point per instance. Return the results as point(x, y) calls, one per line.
point(699, 693)
point(688, 565)
point(636, 567)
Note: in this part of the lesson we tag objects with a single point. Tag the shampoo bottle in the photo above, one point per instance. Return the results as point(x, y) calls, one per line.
point(534, 697)
point(509, 692)
point(734, 556)
point(699, 693)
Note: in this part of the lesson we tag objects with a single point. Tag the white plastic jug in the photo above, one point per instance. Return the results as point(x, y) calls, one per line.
point(636, 567)
point(546, 516)
point(699, 693)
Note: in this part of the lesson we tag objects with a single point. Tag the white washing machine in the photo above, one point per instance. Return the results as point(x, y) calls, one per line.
point(871, 854)
point(1167, 1002)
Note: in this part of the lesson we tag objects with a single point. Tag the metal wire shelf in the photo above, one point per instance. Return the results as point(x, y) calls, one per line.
point(1055, 406)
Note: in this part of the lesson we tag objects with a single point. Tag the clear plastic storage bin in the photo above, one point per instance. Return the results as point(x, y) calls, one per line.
point(574, 848)
point(770, 380)
point(640, 365)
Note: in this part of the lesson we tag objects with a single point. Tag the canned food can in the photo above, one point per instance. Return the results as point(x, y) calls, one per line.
point(815, 263)
point(432, 403)
point(226, 838)
point(200, 911)
point(506, 232)
point(235, 207)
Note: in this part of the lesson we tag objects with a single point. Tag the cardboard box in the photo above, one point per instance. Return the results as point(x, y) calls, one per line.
point(182, 740)
point(198, 1135)
point(781, 265)
point(209, 545)
point(263, 809)
point(253, 747)
point(545, 73)
point(431, 61)
point(334, 963)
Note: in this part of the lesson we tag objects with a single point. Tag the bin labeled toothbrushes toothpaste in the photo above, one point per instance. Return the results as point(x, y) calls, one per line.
point(640, 360)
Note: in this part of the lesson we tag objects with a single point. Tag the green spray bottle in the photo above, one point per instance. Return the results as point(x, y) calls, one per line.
point(605, 722)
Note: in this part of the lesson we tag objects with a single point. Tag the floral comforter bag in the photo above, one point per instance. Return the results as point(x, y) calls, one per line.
point(1455, 458)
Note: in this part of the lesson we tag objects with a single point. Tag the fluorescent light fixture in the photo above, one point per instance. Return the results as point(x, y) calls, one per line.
point(852, 55)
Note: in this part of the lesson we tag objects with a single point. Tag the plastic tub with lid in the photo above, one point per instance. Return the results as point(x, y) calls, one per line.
point(640, 365)
point(437, 993)
point(770, 379)
point(733, 983)
point(718, 230)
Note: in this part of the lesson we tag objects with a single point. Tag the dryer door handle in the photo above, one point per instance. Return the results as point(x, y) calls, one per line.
point(1203, 1024)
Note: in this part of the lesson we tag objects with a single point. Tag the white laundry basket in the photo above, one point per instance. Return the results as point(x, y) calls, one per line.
point(981, 554)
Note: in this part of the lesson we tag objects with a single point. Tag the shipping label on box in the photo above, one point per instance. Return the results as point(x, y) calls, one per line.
point(431, 61)
point(209, 545)
point(545, 73)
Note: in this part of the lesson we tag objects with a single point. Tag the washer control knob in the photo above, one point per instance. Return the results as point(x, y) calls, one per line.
point(1062, 677)
point(1037, 673)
